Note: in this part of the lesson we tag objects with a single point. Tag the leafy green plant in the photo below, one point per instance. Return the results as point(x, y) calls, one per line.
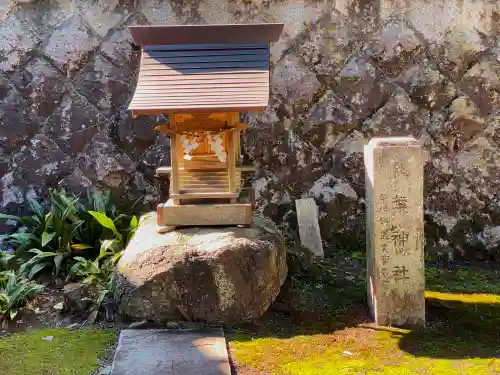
point(89, 232)
point(52, 239)
point(34, 225)
point(5, 257)
point(15, 293)
point(4, 277)
point(57, 241)
point(66, 230)
point(100, 270)
point(121, 237)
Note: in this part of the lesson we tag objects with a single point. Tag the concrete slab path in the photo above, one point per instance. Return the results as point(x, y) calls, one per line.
point(171, 352)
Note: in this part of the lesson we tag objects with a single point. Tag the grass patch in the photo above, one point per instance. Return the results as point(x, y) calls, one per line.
point(462, 334)
point(68, 353)
point(351, 351)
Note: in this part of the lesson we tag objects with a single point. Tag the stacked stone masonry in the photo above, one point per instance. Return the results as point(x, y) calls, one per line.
point(343, 72)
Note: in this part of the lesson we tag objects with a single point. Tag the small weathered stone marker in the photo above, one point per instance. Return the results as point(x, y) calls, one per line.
point(307, 218)
point(395, 231)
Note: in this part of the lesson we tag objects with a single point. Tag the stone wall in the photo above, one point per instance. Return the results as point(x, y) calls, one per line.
point(343, 71)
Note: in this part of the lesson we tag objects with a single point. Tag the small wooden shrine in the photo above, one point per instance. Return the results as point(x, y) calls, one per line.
point(201, 77)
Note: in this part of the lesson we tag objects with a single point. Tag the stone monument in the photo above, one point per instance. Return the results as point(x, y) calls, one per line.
point(395, 230)
point(307, 218)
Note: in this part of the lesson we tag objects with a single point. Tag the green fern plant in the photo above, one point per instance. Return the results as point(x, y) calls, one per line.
point(55, 233)
point(99, 271)
point(15, 293)
point(5, 258)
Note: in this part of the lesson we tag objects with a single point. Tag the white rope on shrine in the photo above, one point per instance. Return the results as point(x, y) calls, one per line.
point(192, 140)
point(189, 144)
point(217, 147)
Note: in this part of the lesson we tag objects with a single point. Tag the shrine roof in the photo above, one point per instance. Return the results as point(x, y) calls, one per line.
point(203, 68)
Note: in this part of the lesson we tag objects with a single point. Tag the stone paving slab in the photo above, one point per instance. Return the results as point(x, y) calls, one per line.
point(171, 352)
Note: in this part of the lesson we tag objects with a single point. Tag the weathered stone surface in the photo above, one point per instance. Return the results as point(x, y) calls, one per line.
point(105, 84)
point(361, 84)
point(41, 157)
point(69, 44)
point(328, 43)
point(399, 116)
point(166, 352)
point(43, 84)
point(347, 160)
point(329, 109)
point(395, 231)
point(18, 39)
point(158, 154)
point(293, 83)
point(77, 297)
point(104, 164)
point(459, 124)
point(141, 191)
point(202, 274)
point(17, 124)
point(12, 189)
point(119, 46)
point(461, 46)
point(482, 84)
point(135, 136)
point(426, 86)
point(73, 124)
point(394, 47)
point(339, 214)
point(103, 15)
point(77, 182)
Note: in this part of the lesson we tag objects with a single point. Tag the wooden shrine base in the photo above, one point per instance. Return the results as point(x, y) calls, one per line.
point(204, 214)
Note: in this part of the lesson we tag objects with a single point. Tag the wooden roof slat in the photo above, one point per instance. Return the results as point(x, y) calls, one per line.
point(215, 65)
point(203, 68)
point(187, 102)
point(196, 88)
point(198, 109)
point(203, 78)
point(230, 91)
point(223, 73)
point(205, 47)
point(203, 94)
point(225, 52)
point(194, 71)
point(179, 107)
point(204, 59)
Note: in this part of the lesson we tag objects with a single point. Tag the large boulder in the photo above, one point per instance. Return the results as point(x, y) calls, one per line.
point(214, 275)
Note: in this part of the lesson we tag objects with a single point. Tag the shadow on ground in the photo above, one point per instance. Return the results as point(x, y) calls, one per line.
point(321, 325)
point(460, 326)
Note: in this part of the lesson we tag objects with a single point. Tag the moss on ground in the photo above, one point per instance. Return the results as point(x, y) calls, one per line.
point(68, 353)
point(462, 334)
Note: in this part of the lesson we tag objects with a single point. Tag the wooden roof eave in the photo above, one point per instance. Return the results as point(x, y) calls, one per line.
point(169, 111)
point(150, 35)
point(220, 68)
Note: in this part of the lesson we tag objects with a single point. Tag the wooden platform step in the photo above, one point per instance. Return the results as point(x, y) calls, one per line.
point(168, 170)
point(202, 214)
point(201, 195)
